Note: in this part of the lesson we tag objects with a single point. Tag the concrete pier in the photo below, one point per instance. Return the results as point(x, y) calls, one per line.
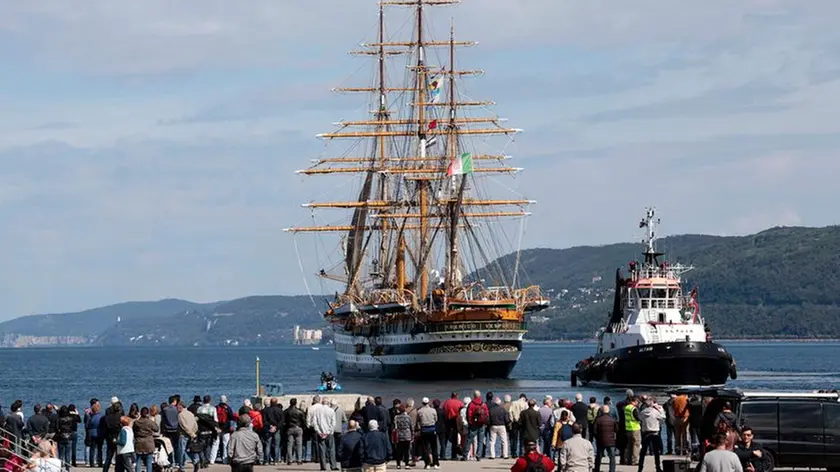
point(497, 465)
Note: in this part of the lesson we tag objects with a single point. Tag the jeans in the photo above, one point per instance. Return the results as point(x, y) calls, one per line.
point(181, 452)
point(476, 437)
point(610, 451)
point(147, 459)
point(274, 446)
point(95, 458)
point(497, 432)
point(295, 438)
point(695, 437)
point(74, 443)
point(652, 441)
point(64, 454)
point(546, 436)
point(670, 434)
point(324, 446)
point(110, 453)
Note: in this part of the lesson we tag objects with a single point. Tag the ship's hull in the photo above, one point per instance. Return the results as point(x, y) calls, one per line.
point(449, 353)
point(660, 365)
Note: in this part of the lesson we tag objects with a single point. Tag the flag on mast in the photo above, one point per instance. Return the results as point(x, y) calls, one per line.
point(435, 87)
point(461, 165)
point(433, 124)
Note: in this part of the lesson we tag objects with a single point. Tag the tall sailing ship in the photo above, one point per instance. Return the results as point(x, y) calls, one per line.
point(424, 295)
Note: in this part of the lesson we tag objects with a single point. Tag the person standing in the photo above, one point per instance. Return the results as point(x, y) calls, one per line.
point(295, 420)
point(187, 436)
point(323, 425)
point(74, 440)
point(621, 436)
point(426, 421)
point(451, 410)
point(591, 415)
point(695, 421)
point(125, 446)
point(376, 449)
point(499, 421)
point(350, 450)
point(577, 454)
point(605, 431)
point(516, 409)
point(529, 423)
point(145, 430)
point(404, 433)
point(681, 419)
point(478, 417)
point(633, 428)
point(273, 419)
point(579, 413)
point(670, 424)
point(244, 447)
point(749, 452)
point(338, 429)
point(224, 413)
point(651, 418)
point(92, 430)
point(169, 428)
point(720, 459)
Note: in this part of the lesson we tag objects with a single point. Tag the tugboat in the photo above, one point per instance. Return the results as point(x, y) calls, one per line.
point(655, 336)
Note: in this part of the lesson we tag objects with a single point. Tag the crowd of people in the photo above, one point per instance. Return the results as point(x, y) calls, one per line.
point(566, 435)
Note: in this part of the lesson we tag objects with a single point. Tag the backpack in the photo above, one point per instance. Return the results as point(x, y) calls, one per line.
point(534, 466)
point(480, 416)
point(222, 414)
point(592, 414)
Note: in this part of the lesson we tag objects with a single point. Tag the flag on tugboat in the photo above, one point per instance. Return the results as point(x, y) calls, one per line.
point(461, 165)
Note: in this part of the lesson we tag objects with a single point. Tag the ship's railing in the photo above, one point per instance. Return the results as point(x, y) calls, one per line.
point(456, 326)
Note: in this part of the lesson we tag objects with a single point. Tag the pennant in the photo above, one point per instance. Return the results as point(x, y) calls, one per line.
point(433, 124)
point(461, 165)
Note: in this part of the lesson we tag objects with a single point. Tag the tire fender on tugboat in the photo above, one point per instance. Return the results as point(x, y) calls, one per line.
point(733, 370)
point(573, 377)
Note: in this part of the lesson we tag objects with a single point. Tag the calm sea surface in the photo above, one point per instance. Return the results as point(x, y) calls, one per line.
point(149, 375)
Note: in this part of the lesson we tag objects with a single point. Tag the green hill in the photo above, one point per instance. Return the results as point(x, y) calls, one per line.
point(783, 282)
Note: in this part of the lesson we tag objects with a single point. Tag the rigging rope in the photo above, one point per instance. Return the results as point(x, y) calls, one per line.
point(303, 275)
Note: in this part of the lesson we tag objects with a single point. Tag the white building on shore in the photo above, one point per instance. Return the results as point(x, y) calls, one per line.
point(307, 336)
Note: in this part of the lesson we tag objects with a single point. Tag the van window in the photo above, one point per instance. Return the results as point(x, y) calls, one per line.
point(801, 434)
point(762, 418)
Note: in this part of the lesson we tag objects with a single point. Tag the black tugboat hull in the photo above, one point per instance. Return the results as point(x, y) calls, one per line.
point(674, 364)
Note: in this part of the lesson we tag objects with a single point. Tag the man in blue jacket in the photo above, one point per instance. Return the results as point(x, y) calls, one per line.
point(93, 431)
point(350, 450)
point(376, 448)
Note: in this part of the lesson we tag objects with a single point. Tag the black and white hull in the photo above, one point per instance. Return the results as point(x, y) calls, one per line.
point(668, 364)
point(451, 354)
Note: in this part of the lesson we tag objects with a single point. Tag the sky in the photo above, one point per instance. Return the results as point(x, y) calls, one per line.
point(148, 147)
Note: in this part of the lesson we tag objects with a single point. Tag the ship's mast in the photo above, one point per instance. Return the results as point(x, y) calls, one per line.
point(650, 223)
point(422, 184)
point(458, 182)
point(406, 199)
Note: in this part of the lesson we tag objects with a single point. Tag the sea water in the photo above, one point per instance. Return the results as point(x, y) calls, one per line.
point(150, 375)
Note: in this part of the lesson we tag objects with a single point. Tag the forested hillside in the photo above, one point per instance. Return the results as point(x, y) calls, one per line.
point(783, 282)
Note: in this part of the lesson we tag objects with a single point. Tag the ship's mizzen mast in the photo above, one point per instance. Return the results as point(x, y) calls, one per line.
point(453, 261)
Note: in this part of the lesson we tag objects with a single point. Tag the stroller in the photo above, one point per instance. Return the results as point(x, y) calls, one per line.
point(163, 448)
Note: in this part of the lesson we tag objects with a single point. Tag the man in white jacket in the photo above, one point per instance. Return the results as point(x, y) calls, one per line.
point(322, 421)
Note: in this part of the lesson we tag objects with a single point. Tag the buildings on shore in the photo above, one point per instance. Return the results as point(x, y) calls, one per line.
point(307, 336)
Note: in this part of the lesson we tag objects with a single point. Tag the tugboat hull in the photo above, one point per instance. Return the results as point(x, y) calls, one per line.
point(672, 364)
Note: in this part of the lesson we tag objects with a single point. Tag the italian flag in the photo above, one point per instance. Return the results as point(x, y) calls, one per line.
point(461, 165)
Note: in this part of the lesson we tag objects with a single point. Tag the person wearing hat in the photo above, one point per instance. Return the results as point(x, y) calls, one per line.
point(427, 418)
point(532, 456)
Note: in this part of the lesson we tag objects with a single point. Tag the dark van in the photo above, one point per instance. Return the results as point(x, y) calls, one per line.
point(798, 429)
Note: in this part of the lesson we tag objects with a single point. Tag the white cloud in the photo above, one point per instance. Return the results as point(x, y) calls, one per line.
point(165, 166)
